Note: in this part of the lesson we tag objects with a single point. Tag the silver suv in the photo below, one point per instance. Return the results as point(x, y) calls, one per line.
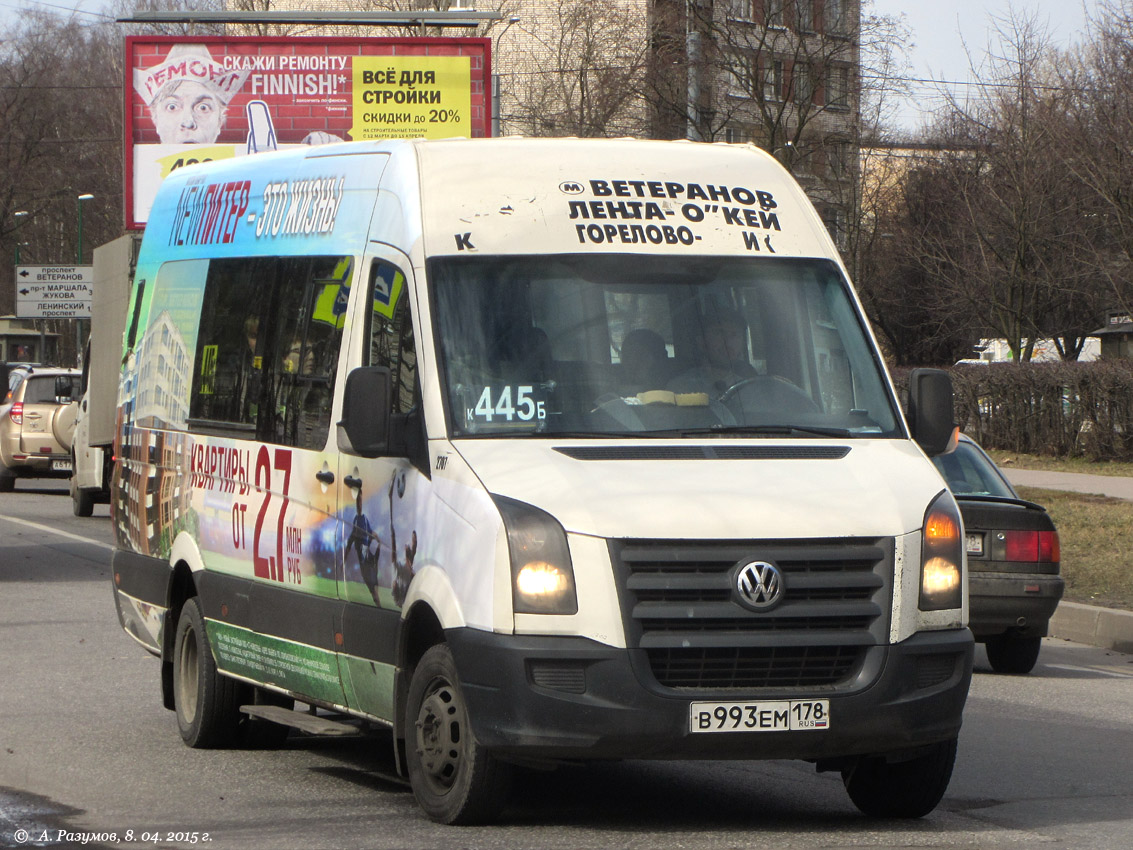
point(36, 422)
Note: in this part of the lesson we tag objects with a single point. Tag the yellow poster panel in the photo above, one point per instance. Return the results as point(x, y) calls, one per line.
point(412, 97)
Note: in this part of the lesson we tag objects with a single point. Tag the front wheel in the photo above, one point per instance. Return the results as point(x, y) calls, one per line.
point(1013, 654)
point(454, 781)
point(904, 789)
point(208, 704)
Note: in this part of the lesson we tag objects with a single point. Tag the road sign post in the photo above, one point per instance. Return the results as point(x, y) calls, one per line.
point(53, 292)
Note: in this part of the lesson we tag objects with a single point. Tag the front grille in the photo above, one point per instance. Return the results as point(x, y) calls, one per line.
point(685, 616)
point(791, 667)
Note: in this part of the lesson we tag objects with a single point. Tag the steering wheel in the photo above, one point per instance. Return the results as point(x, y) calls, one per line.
point(777, 391)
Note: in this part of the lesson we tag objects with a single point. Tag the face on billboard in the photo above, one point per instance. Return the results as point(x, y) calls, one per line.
point(187, 112)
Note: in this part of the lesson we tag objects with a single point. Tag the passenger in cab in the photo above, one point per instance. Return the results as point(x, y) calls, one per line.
point(645, 361)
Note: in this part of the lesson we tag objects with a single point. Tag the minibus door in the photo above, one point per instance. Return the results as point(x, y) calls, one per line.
point(378, 534)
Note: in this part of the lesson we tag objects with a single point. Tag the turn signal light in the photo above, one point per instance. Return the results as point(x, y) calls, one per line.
point(941, 529)
point(942, 556)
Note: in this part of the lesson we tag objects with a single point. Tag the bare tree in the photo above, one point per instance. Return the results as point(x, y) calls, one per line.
point(61, 112)
point(1001, 232)
point(575, 69)
point(765, 69)
point(1098, 129)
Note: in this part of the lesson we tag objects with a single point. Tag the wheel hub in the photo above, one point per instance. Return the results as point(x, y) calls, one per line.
point(439, 735)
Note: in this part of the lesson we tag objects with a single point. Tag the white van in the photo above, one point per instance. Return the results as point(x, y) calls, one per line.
point(532, 451)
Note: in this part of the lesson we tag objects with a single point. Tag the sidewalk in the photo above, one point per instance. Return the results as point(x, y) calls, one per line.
point(1105, 485)
point(1109, 628)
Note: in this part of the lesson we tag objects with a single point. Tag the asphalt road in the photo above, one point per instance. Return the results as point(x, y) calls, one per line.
point(86, 750)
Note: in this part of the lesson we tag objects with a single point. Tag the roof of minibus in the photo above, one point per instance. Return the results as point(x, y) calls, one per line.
point(540, 195)
point(494, 196)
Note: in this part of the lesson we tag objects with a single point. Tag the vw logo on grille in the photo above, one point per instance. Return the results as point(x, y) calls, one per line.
point(759, 585)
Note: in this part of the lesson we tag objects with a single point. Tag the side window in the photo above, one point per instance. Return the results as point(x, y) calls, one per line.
point(391, 333)
point(267, 348)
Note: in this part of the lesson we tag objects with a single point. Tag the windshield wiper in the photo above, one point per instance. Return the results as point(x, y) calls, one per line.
point(760, 430)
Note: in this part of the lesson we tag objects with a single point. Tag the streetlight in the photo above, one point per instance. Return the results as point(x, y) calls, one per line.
point(17, 215)
point(79, 252)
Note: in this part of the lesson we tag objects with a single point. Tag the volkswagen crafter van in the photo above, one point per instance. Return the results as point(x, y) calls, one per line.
point(530, 451)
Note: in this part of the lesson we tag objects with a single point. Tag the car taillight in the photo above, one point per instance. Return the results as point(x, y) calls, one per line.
point(1032, 546)
point(16, 414)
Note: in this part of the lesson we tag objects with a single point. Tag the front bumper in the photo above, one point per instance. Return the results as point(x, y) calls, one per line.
point(1017, 602)
point(572, 698)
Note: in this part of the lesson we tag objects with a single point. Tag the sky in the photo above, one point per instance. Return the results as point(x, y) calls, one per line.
point(942, 28)
point(88, 10)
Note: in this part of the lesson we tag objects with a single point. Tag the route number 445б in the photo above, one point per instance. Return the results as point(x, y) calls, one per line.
point(524, 407)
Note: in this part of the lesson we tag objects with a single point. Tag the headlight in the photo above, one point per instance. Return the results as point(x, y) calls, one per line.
point(541, 572)
point(942, 556)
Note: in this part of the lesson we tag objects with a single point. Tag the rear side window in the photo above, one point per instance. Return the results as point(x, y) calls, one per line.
point(267, 348)
point(41, 389)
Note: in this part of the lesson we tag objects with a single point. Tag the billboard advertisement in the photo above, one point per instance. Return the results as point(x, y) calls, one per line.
point(190, 99)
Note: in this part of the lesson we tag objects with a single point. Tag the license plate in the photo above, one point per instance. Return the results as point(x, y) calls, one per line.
point(772, 716)
point(61, 465)
point(975, 544)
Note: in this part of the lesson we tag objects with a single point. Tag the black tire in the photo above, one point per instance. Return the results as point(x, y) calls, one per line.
point(7, 480)
point(82, 501)
point(906, 789)
point(1013, 654)
point(453, 779)
point(207, 704)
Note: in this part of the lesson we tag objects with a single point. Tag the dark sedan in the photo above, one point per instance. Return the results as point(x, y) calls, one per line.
point(1013, 559)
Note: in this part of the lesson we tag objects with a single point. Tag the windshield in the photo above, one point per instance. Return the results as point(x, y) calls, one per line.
point(585, 345)
point(971, 473)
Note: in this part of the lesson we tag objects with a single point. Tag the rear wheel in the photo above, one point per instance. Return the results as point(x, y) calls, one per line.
point(905, 789)
point(7, 480)
point(1013, 654)
point(454, 781)
point(82, 501)
point(207, 704)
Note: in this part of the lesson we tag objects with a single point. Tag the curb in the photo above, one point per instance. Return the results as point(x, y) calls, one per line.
point(1109, 628)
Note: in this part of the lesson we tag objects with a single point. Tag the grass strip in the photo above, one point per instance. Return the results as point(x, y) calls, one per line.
point(1096, 533)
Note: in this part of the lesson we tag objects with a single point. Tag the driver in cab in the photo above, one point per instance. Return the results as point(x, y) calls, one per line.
point(725, 358)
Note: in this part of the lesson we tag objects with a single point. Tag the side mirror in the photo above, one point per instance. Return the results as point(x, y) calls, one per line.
point(931, 414)
point(366, 410)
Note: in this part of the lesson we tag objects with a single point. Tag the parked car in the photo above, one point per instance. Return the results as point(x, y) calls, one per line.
point(36, 421)
point(1013, 559)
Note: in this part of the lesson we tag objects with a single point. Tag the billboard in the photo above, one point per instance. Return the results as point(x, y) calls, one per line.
point(191, 99)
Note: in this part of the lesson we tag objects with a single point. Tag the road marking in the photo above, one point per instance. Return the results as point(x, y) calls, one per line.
point(56, 531)
point(1072, 668)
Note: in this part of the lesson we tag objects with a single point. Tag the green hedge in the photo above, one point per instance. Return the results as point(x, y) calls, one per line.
point(1059, 409)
